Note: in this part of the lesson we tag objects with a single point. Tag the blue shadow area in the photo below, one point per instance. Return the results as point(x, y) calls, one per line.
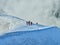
point(48, 36)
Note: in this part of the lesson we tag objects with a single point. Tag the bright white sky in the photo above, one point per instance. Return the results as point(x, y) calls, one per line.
point(34, 10)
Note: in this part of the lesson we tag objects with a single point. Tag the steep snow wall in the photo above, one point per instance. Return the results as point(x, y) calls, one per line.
point(45, 12)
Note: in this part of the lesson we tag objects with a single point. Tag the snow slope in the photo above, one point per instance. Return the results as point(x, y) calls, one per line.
point(8, 22)
point(21, 34)
point(42, 11)
point(47, 36)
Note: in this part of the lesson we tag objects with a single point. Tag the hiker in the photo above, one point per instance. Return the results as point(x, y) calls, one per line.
point(30, 23)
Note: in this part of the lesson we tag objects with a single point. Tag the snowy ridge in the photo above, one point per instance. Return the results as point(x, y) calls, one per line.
point(8, 22)
point(23, 34)
point(12, 33)
point(29, 28)
point(10, 16)
point(12, 24)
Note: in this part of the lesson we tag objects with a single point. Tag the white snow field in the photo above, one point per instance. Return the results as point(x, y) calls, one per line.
point(45, 36)
point(10, 23)
point(14, 31)
point(15, 13)
point(42, 11)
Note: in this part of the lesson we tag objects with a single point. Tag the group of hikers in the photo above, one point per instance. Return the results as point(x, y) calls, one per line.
point(29, 23)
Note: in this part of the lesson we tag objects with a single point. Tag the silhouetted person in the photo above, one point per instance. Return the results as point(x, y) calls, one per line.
point(30, 23)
